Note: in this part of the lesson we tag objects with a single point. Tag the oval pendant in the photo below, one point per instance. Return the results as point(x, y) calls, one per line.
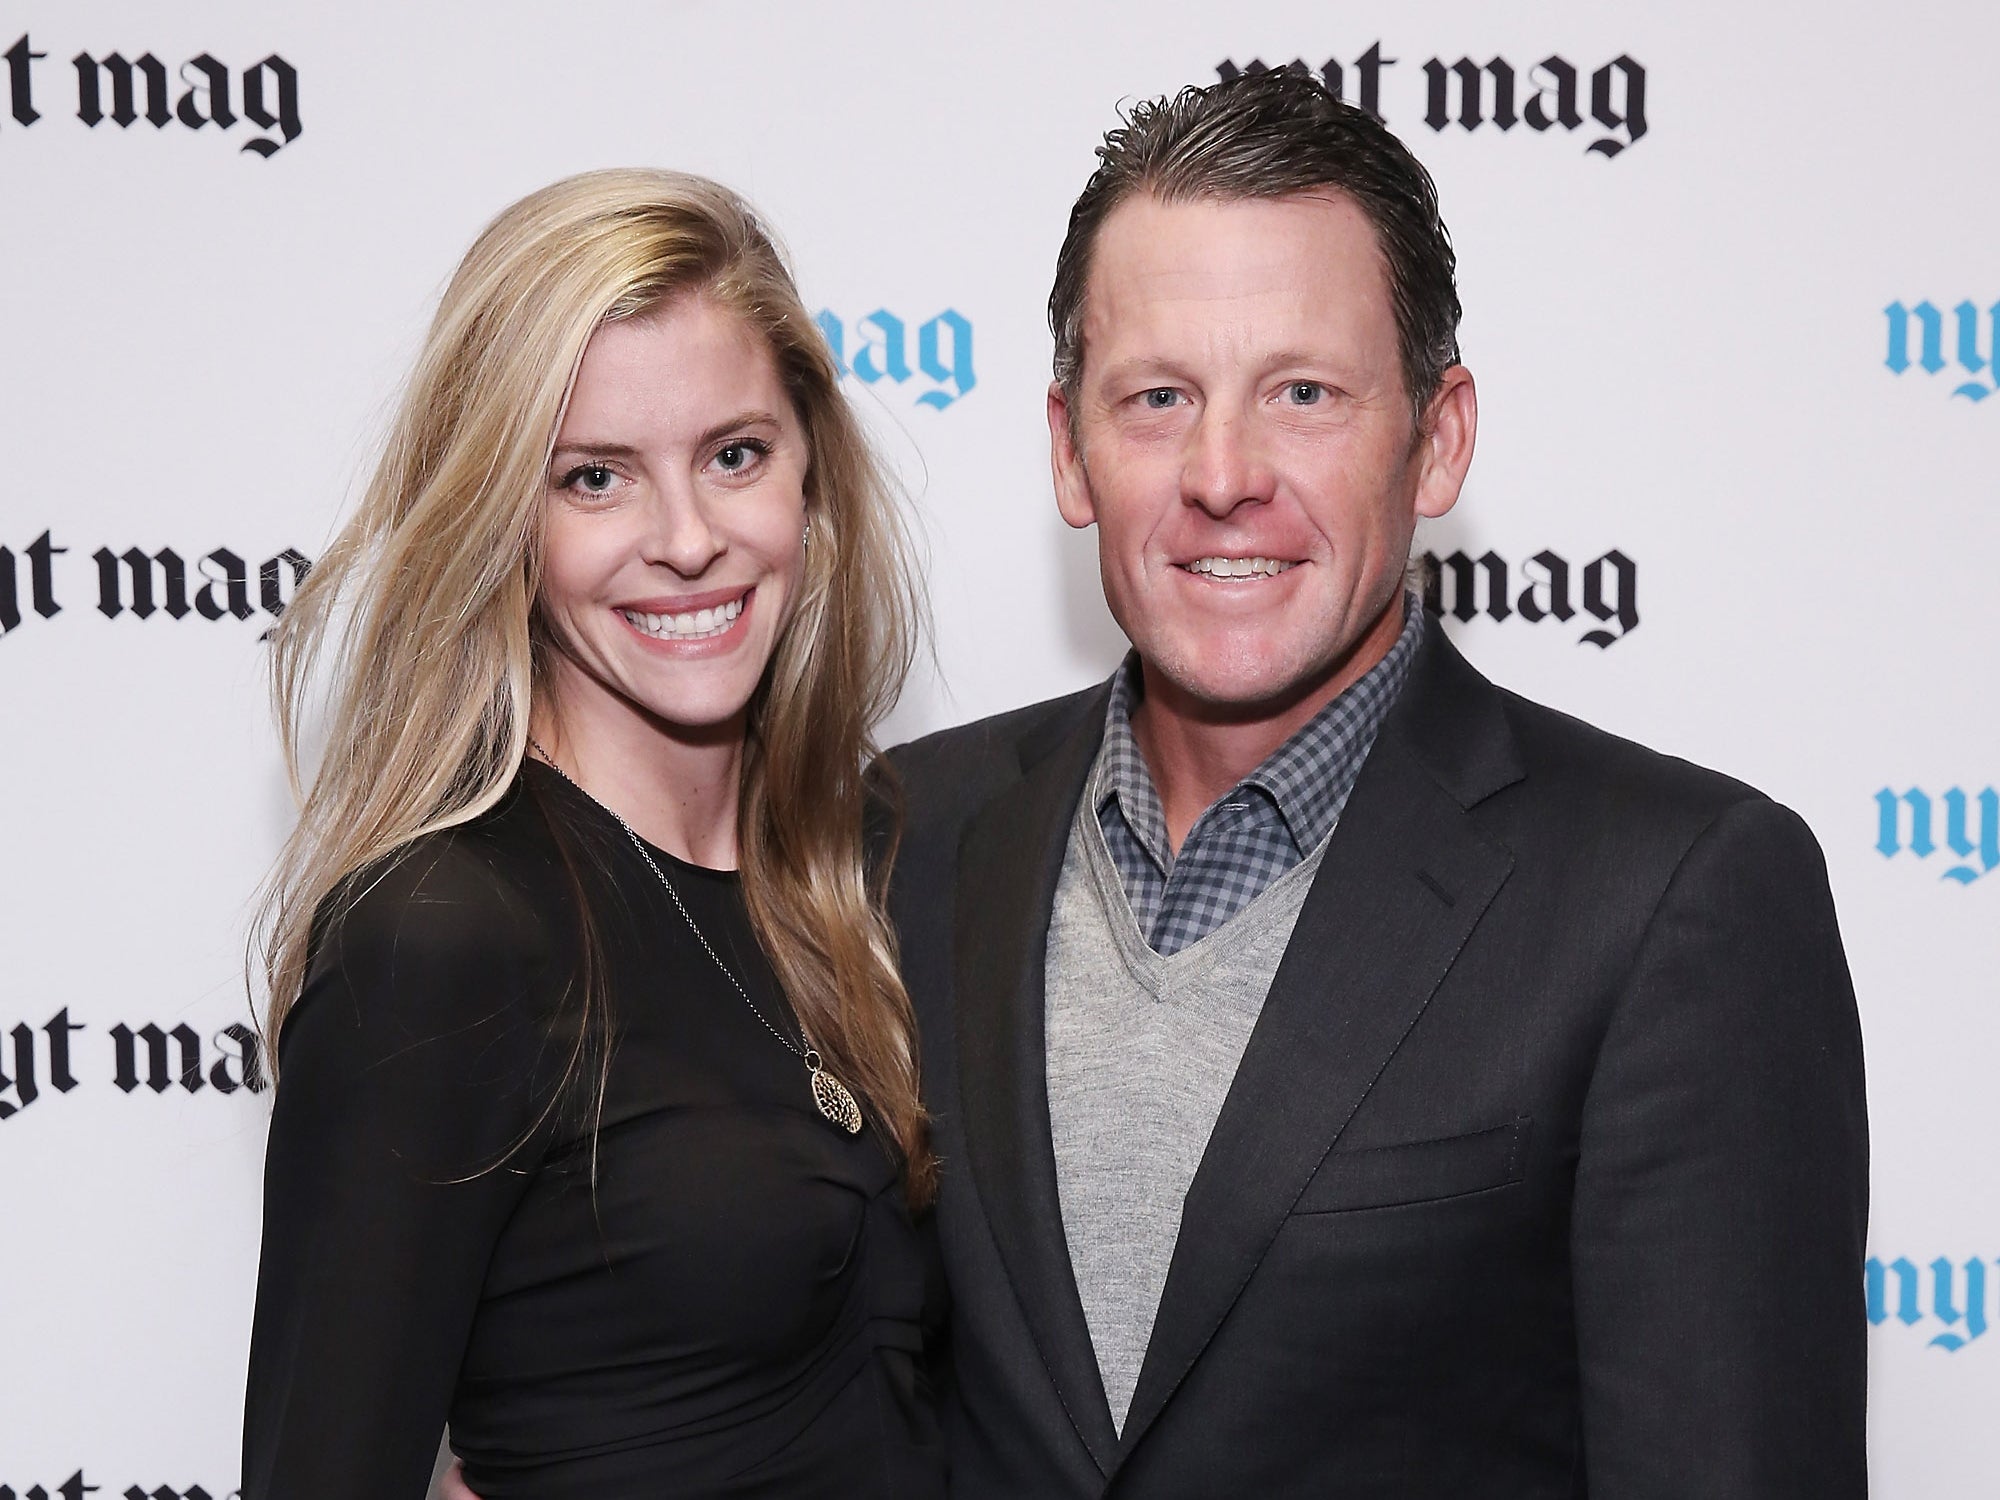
point(831, 1095)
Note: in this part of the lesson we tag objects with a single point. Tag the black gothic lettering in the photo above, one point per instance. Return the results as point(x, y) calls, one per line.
point(58, 1031)
point(1464, 585)
point(41, 563)
point(21, 80)
point(89, 100)
point(72, 1488)
point(224, 570)
point(1562, 82)
point(1602, 108)
point(26, 1078)
point(271, 99)
point(139, 569)
point(159, 1075)
point(10, 604)
point(23, 1081)
point(1547, 593)
point(206, 101)
point(241, 1063)
point(1370, 66)
point(271, 584)
point(41, 553)
point(1623, 606)
point(1471, 93)
point(1452, 586)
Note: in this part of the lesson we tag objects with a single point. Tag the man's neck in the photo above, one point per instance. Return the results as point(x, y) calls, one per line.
point(1197, 751)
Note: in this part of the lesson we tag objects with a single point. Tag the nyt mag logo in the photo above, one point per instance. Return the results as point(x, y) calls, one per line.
point(1463, 588)
point(1544, 96)
point(125, 91)
point(1909, 821)
point(875, 349)
point(1917, 338)
point(1957, 1298)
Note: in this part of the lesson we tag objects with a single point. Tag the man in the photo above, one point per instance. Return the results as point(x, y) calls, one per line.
point(1351, 1079)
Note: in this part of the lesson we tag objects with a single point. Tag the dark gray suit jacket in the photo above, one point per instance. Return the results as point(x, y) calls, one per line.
point(1544, 1173)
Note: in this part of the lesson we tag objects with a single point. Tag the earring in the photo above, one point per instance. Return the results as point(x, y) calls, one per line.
point(806, 540)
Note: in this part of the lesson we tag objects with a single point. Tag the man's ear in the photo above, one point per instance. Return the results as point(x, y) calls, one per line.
point(1066, 463)
point(1445, 441)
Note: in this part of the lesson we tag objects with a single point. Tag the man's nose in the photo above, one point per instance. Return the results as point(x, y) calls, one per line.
point(682, 534)
point(1225, 464)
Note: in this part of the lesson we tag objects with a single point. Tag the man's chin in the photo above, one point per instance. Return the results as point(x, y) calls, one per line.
point(1231, 691)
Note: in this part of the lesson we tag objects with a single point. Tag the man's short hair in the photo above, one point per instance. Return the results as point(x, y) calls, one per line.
point(1273, 134)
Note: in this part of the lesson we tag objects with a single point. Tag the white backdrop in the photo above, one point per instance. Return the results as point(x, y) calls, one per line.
point(1686, 356)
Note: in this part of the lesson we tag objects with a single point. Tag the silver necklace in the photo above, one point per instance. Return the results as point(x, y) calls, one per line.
point(829, 1094)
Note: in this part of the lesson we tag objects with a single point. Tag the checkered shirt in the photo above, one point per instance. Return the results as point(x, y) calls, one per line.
point(1256, 831)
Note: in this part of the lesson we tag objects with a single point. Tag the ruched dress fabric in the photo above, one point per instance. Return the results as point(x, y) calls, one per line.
point(708, 1291)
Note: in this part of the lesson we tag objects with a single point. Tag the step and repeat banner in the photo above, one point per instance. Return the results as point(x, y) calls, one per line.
point(1733, 304)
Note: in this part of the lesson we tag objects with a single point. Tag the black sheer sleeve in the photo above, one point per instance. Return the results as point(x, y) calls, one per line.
point(412, 1098)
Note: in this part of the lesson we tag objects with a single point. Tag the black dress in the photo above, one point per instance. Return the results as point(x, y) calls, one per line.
point(707, 1291)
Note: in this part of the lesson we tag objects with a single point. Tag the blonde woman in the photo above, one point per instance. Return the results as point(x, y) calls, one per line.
point(597, 1130)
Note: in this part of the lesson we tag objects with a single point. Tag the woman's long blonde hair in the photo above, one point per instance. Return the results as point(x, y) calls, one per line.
point(422, 612)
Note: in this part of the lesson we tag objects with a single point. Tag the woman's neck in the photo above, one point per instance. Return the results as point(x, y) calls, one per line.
point(678, 790)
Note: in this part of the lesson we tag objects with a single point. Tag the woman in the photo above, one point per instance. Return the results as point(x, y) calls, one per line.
point(597, 1130)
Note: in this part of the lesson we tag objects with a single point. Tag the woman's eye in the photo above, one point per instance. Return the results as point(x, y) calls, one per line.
point(1305, 392)
point(739, 457)
point(590, 479)
point(1160, 397)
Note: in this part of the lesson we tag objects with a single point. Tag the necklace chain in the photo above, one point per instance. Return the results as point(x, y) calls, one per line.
point(830, 1095)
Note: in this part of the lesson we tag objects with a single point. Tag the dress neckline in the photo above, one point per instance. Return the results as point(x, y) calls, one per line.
point(591, 808)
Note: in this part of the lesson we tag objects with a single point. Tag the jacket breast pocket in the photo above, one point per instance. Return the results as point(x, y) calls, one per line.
point(1417, 1171)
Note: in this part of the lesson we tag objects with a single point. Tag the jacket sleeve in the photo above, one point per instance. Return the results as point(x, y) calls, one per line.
point(403, 1113)
point(1722, 1190)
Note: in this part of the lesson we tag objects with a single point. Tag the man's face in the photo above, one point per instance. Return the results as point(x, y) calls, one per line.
point(1245, 447)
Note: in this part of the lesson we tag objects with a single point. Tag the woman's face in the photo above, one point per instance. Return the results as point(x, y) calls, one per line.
point(674, 511)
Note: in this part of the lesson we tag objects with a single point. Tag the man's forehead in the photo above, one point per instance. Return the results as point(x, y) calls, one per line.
point(1223, 258)
point(1165, 230)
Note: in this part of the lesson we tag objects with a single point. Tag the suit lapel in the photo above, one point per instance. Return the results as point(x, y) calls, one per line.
point(1009, 861)
point(1404, 882)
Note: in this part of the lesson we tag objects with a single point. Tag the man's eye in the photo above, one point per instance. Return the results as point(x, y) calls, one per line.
point(1305, 392)
point(1161, 397)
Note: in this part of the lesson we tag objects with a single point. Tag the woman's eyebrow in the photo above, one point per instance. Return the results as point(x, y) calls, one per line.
point(596, 450)
point(743, 419)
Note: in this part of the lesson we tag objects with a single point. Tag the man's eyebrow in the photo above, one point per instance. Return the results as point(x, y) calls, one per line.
point(1154, 368)
point(1307, 358)
point(1144, 366)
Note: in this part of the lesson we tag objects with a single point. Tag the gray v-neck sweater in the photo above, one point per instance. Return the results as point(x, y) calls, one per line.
point(1141, 1052)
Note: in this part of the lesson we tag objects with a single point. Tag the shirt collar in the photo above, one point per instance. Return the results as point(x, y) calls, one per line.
point(1308, 778)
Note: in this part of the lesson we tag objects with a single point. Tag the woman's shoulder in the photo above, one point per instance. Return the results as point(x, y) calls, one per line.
point(486, 881)
point(436, 976)
point(451, 922)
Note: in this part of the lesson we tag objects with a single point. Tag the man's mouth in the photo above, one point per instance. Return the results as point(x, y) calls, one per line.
point(690, 625)
point(1239, 567)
